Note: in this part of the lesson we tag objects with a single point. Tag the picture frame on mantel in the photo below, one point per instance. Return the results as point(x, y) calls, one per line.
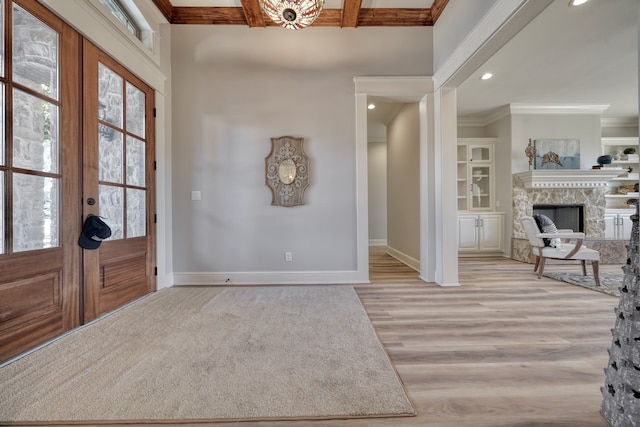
point(557, 154)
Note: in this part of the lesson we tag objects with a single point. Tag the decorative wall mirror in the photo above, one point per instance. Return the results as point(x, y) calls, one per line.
point(287, 171)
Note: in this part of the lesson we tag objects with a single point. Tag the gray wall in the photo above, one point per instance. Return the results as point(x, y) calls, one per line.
point(234, 88)
point(585, 127)
point(403, 182)
point(377, 171)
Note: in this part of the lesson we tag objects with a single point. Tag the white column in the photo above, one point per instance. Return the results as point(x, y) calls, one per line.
point(362, 188)
point(443, 174)
point(428, 224)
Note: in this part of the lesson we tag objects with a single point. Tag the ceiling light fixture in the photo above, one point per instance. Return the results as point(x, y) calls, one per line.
point(486, 76)
point(292, 14)
point(577, 2)
point(371, 106)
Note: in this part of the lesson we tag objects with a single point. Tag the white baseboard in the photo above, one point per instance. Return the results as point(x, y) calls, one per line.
point(377, 242)
point(271, 278)
point(404, 258)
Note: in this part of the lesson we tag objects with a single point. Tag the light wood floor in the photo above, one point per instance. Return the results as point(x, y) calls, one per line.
point(503, 349)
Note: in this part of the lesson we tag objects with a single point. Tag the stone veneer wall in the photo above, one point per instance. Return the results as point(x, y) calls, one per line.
point(611, 251)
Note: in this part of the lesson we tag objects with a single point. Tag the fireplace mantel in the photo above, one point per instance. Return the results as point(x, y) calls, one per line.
point(589, 178)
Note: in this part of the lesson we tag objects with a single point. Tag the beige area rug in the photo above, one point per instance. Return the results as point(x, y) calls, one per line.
point(212, 354)
point(610, 283)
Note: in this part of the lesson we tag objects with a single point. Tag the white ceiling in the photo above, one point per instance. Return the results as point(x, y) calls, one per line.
point(586, 54)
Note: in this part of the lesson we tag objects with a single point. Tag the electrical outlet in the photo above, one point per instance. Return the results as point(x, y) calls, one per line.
point(196, 195)
point(288, 256)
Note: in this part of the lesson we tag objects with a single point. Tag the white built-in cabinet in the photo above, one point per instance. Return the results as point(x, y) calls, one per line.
point(480, 228)
point(480, 232)
point(618, 224)
point(476, 180)
point(617, 219)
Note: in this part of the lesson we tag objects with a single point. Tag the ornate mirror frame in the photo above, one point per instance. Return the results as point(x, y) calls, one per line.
point(287, 171)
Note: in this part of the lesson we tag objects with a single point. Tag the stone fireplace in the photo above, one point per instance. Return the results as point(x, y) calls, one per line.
point(564, 216)
point(585, 188)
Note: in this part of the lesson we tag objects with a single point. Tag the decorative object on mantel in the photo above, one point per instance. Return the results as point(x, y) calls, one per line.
point(292, 14)
point(530, 151)
point(557, 153)
point(287, 171)
point(604, 160)
point(621, 391)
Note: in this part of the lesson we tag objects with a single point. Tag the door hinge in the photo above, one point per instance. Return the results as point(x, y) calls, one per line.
point(155, 271)
point(155, 165)
point(155, 218)
point(154, 112)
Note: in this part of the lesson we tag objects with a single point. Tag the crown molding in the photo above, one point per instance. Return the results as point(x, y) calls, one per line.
point(401, 88)
point(619, 122)
point(558, 108)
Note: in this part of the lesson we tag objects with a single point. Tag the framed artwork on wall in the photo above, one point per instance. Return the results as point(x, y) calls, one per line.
point(557, 153)
point(287, 171)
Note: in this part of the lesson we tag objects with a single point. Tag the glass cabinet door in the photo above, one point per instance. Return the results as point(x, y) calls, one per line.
point(463, 183)
point(480, 187)
point(480, 153)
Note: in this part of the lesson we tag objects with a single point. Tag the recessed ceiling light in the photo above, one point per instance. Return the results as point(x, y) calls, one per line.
point(371, 106)
point(486, 76)
point(577, 2)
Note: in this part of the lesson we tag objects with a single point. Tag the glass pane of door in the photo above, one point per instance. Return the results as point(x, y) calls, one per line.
point(112, 209)
point(135, 162)
point(35, 212)
point(135, 110)
point(111, 155)
point(35, 53)
point(35, 133)
point(110, 96)
point(136, 213)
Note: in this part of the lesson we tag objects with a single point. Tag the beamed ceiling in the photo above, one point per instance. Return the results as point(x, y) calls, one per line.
point(351, 14)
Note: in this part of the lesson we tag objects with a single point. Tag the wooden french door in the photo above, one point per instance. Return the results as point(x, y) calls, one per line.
point(77, 139)
point(39, 177)
point(118, 182)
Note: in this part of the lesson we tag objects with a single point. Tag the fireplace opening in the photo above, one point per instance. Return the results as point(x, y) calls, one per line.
point(563, 216)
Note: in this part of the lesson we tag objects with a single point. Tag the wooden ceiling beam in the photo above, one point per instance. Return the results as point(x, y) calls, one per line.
point(165, 7)
point(253, 13)
point(350, 13)
point(209, 15)
point(436, 9)
point(377, 17)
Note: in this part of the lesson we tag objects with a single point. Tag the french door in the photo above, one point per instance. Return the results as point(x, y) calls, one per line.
point(118, 177)
point(77, 139)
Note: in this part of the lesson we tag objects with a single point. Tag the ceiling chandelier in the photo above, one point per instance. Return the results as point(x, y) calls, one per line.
point(292, 14)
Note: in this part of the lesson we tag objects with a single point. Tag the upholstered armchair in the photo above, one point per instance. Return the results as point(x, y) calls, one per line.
point(570, 248)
